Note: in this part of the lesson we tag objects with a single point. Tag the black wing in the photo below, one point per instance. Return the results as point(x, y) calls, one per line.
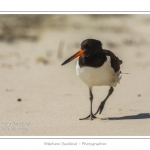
point(115, 61)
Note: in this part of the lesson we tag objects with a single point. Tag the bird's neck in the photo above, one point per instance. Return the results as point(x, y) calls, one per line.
point(95, 60)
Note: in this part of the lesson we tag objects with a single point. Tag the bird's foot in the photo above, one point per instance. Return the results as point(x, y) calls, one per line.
point(100, 108)
point(89, 117)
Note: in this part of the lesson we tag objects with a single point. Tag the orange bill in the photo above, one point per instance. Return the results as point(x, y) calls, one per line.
point(79, 53)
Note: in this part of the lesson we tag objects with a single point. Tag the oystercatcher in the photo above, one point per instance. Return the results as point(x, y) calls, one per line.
point(96, 67)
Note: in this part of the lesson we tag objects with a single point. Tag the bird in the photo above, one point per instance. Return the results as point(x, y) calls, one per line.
point(96, 67)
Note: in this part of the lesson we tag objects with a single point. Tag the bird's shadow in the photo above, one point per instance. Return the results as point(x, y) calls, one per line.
point(138, 116)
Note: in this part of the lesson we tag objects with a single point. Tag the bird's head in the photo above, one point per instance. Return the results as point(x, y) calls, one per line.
point(89, 47)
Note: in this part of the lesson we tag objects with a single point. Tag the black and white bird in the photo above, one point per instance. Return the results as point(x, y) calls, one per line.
point(96, 67)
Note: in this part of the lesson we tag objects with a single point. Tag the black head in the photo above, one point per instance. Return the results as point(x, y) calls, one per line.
point(91, 47)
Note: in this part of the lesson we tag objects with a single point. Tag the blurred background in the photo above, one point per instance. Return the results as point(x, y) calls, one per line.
point(61, 34)
point(35, 87)
point(64, 33)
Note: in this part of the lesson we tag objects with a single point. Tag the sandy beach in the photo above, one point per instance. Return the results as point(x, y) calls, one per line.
point(39, 97)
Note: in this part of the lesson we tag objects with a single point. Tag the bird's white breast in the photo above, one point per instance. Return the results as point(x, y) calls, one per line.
point(101, 76)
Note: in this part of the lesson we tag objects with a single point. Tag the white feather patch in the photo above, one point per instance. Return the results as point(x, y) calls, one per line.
point(102, 76)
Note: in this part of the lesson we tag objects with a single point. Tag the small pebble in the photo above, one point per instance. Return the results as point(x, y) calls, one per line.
point(19, 99)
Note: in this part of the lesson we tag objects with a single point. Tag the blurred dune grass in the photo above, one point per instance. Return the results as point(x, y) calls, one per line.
point(29, 26)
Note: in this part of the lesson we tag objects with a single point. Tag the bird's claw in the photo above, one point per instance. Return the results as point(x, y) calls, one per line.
point(89, 117)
